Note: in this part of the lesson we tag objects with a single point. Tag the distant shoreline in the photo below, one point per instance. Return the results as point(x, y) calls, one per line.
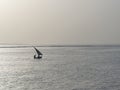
point(28, 46)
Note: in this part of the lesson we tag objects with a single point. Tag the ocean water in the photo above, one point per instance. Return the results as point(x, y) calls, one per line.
point(61, 68)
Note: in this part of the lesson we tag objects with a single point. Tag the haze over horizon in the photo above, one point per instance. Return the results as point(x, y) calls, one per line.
point(73, 22)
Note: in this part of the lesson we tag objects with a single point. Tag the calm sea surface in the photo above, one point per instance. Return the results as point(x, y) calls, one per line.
point(62, 68)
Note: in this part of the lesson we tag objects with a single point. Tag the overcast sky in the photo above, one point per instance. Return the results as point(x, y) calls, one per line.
point(60, 21)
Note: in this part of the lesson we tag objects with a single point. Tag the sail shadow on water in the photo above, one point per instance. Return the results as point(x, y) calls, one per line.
point(38, 55)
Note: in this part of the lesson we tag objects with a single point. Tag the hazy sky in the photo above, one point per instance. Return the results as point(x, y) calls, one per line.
point(60, 21)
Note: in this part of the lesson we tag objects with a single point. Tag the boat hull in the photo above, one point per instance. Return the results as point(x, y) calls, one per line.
point(37, 57)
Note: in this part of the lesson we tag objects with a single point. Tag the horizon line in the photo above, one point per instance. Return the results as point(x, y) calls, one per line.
point(69, 45)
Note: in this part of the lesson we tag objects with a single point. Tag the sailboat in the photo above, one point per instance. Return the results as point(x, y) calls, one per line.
point(39, 54)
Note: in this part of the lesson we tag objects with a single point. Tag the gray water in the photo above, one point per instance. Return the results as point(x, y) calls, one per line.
point(61, 68)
